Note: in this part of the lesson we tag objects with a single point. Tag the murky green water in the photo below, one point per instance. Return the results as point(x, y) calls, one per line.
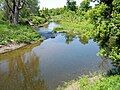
point(45, 65)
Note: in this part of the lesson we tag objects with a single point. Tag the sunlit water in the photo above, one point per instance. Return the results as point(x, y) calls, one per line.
point(45, 65)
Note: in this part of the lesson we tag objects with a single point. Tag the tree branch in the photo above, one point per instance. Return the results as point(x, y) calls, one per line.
point(8, 5)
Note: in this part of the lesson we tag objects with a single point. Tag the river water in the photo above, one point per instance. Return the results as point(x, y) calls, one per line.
point(45, 65)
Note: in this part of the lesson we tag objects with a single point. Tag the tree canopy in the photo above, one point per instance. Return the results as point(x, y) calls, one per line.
point(14, 9)
point(71, 5)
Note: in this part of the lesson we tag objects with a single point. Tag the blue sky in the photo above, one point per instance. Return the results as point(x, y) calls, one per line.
point(54, 3)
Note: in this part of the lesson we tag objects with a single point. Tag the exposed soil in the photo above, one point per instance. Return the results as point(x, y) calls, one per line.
point(10, 47)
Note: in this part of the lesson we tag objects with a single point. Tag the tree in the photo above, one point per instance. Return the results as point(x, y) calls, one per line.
point(14, 8)
point(85, 5)
point(116, 6)
point(71, 5)
point(30, 8)
point(110, 6)
point(108, 2)
point(108, 31)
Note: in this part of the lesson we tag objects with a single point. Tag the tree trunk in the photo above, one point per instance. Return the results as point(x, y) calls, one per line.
point(12, 10)
point(15, 16)
point(15, 12)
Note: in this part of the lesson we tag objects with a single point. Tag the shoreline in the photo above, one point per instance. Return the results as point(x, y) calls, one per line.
point(75, 84)
point(12, 47)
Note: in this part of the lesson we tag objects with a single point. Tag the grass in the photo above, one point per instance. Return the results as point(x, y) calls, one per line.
point(94, 83)
point(17, 34)
point(104, 83)
point(84, 29)
point(77, 26)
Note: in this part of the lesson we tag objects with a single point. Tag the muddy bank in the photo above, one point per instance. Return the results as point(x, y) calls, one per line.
point(11, 47)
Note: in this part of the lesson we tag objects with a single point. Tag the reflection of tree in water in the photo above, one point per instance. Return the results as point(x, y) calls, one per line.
point(83, 39)
point(114, 71)
point(69, 37)
point(23, 74)
point(111, 51)
point(104, 64)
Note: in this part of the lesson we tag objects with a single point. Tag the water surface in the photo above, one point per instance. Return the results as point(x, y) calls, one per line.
point(45, 65)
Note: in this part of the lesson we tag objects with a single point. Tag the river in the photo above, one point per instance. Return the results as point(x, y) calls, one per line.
point(45, 65)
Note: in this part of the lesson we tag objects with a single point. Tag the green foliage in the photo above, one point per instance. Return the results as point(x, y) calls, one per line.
point(71, 5)
point(85, 5)
point(116, 6)
point(16, 34)
point(30, 11)
point(13, 10)
point(96, 14)
point(36, 20)
point(99, 23)
point(50, 14)
point(93, 23)
point(57, 11)
point(44, 13)
point(1, 15)
point(104, 83)
point(107, 30)
point(108, 36)
point(72, 22)
point(30, 8)
point(98, 82)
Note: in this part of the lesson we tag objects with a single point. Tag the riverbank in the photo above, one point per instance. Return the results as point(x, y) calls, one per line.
point(93, 83)
point(13, 37)
point(12, 47)
point(75, 26)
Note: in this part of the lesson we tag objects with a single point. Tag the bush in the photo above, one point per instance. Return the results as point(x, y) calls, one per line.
point(108, 37)
point(36, 20)
point(96, 14)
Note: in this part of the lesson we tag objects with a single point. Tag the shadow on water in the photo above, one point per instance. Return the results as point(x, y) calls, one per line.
point(114, 71)
point(43, 66)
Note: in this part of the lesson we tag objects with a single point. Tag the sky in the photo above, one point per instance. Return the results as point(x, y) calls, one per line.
point(54, 3)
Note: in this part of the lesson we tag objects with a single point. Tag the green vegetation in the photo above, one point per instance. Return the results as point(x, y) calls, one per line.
point(94, 83)
point(108, 35)
point(15, 17)
point(71, 5)
point(101, 23)
point(17, 34)
point(104, 83)
point(71, 22)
